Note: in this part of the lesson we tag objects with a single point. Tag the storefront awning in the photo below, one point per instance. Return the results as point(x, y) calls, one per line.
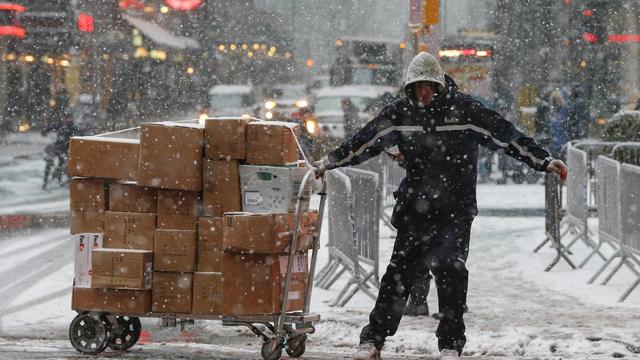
point(160, 35)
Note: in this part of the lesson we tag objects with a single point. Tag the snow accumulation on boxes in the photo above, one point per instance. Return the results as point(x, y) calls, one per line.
point(189, 219)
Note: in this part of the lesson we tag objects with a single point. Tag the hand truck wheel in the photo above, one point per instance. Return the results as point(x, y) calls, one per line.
point(296, 345)
point(90, 333)
point(271, 349)
point(125, 333)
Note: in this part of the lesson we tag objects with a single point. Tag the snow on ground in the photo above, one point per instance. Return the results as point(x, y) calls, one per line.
point(516, 309)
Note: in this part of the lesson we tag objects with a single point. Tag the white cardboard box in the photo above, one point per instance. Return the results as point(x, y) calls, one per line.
point(271, 189)
point(83, 246)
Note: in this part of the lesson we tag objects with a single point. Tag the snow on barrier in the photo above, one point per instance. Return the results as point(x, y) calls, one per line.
point(353, 233)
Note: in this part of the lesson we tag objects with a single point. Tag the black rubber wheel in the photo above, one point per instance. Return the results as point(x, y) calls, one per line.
point(90, 333)
point(271, 349)
point(125, 333)
point(296, 345)
point(518, 177)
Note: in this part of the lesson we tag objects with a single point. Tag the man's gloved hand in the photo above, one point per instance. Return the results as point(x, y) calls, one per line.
point(558, 167)
point(319, 168)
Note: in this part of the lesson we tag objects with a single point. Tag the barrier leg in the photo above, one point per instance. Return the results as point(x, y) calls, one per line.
point(327, 269)
point(546, 240)
point(342, 293)
point(574, 240)
point(324, 283)
point(362, 286)
point(595, 250)
point(603, 267)
point(629, 290)
point(615, 270)
point(331, 281)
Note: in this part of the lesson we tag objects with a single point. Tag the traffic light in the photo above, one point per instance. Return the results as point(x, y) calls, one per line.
point(430, 12)
point(593, 24)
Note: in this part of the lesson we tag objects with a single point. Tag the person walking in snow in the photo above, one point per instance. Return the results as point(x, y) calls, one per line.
point(437, 129)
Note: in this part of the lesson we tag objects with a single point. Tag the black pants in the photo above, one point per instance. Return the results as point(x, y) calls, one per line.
point(445, 243)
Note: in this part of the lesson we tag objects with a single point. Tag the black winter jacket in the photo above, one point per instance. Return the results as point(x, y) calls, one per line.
point(440, 146)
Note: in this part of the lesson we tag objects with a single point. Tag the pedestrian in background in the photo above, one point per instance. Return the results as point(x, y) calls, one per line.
point(437, 129)
point(557, 123)
point(352, 122)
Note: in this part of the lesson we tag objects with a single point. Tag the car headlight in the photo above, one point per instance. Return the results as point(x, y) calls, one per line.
point(302, 103)
point(311, 126)
point(270, 105)
point(202, 117)
point(268, 115)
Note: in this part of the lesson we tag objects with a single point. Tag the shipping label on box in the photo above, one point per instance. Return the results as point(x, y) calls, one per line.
point(210, 245)
point(221, 187)
point(121, 269)
point(127, 230)
point(129, 197)
point(225, 138)
point(175, 250)
point(272, 189)
point(102, 157)
point(172, 292)
point(87, 202)
point(171, 156)
point(177, 209)
point(84, 246)
point(272, 143)
point(208, 296)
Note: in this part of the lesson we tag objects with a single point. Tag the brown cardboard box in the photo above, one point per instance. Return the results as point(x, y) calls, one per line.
point(272, 143)
point(177, 209)
point(253, 284)
point(121, 269)
point(129, 230)
point(171, 156)
point(103, 157)
point(208, 298)
point(132, 198)
point(221, 187)
point(119, 301)
point(172, 292)
point(88, 202)
point(175, 250)
point(210, 244)
point(266, 233)
point(225, 138)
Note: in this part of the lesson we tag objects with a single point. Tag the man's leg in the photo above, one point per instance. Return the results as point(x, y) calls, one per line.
point(448, 259)
point(395, 287)
point(418, 299)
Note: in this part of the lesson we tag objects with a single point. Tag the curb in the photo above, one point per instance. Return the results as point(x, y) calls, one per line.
point(13, 222)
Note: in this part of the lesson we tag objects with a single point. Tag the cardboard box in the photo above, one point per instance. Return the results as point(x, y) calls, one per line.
point(172, 292)
point(128, 230)
point(272, 143)
point(209, 245)
point(272, 189)
point(84, 244)
point(119, 301)
point(208, 296)
point(121, 269)
point(175, 250)
point(221, 187)
point(265, 233)
point(177, 209)
point(225, 138)
point(253, 284)
point(129, 197)
point(88, 202)
point(171, 156)
point(103, 157)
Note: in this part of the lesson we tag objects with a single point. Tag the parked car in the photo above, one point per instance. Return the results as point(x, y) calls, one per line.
point(230, 100)
point(281, 101)
point(329, 112)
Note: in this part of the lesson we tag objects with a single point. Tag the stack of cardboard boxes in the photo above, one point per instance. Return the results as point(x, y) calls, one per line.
point(189, 219)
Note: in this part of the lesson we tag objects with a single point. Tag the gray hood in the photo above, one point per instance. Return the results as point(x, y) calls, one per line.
point(424, 67)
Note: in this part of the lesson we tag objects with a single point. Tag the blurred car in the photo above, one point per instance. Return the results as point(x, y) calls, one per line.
point(230, 100)
point(281, 101)
point(329, 112)
point(317, 83)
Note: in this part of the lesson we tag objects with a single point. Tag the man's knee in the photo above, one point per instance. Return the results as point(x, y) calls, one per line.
point(451, 266)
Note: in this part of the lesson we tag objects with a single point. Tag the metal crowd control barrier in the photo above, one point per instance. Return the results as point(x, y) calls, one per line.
point(628, 153)
point(353, 233)
point(552, 204)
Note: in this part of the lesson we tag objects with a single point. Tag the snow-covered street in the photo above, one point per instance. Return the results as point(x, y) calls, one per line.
point(516, 309)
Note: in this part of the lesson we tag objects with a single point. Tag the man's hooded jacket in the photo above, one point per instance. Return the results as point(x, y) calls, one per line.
point(440, 145)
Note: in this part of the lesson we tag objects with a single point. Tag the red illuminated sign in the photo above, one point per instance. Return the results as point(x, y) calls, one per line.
point(624, 38)
point(85, 22)
point(183, 5)
point(590, 37)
